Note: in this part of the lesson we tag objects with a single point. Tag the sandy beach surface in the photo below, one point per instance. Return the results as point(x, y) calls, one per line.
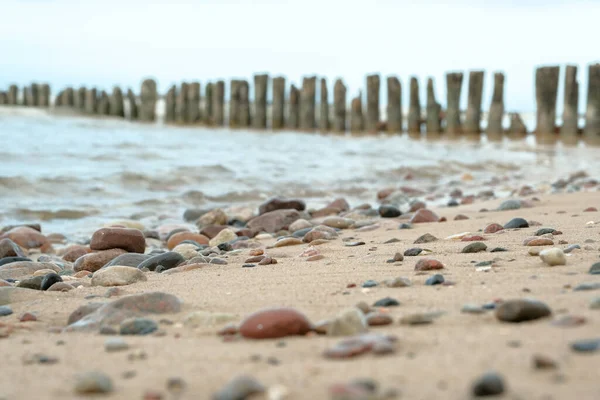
point(438, 360)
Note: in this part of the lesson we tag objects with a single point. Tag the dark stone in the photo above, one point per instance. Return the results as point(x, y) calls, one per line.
point(369, 283)
point(128, 260)
point(168, 260)
point(405, 226)
point(484, 263)
point(415, 251)
point(587, 286)
point(137, 326)
point(436, 279)
point(453, 203)
point(426, 238)
point(490, 384)
point(474, 247)
point(248, 265)
point(192, 214)
point(387, 211)
point(5, 310)
point(8, 260)
point(544, 231)
point(34, 283)
point(595, 269)
point(300, 233)
point(586, 345)
point(226, 246)
point(49, 280)
point(281, 204)
point(498, 250)
point(386, 302)
point(8, 248)
point(516, 223)
point(521, 310)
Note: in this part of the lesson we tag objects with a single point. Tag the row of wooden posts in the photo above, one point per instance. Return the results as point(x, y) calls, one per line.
point(184, 105)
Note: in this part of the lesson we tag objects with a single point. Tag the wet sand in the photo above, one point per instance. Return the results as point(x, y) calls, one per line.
point(434, 361)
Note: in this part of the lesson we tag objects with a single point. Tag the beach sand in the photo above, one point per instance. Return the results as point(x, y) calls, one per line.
point(440, 360)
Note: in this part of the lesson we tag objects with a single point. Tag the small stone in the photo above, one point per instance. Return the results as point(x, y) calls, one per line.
point(415, 251)
point(540, 242)
point(512, 204)
point(404, 225)
point(490, 384)
point(417, 319)
point(176, 386)
point(137, 326)
point(397, 282)
point(378, 319)
point(553, 256)
point(361, 344)
point(521, 310)
point(541, 361)
point(224, 236)
point(424, 215)
point(586, 345)
point(34, 283)
point(436, 279)
point(493, 228)
point(460, 217)
point(498, 250)
point(544, 231)
point(239, 388)
point(5, 310)
point(472, 238)
point(398, 257)
point(428, 264)
point(115, 344)
point(595, 269)
point(354, 244)
point(594, 304)
point(49, 280)
point(117, 275)
point(590, 209)
point(534, 251)
point(348, 322)
point(274, 323)
point(167, 260)
point(474, 247)
point(338, 222)
point(386, 302)
point(387, 211)
point(516, 223)
point(587, 286)
point(570, 248)
point(472, 309)
point(130, 240)
point(369, 283)
point(426, 238)
point(27, 317)
point(290, 241)
point(93, 382)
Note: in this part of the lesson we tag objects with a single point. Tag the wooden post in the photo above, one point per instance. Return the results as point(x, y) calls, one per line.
point(181, 104)
point(148, 97)
point(244, 117)
point(170, 99)
point(208, 104)
point(357, 123)
point(414, 110)
point(494, 127)
point(293, 119)
point(473, 118)
point(372, 120)
point(219, 103)
point(116, 106)
point(193, 103)
point(79, 100)
point(517, 129)
point(591, 130)
point(394, 105)
point(44, 95)
point(234, 103)
point(546, 91)
point(307, 103)
point(453, 87)
point(91, 101)
point(278, 106)
point(68, 97)
point(569, 130)
point(34, 95)
point(13, 95)
point(433, 122)
point(3, 98)
point(324, 125)
point(261, 83)
point(103, 107)
point(134, 113)
point(339, 106)
point(28, 96)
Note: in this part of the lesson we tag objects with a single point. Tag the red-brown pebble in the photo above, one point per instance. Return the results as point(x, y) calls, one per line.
point(378, 319)
point(26, 317)
point(467, 200)
point(428, 264)
point(75, 251)
point(472, 238)
point(60, 287)
point(254, 259)
point(417, 205)
point(460, 217)
point(212, 230)
point(81, 274)
point(590, 209)
point(256, 252)
point(540, 242)
point(443, 219)
point(177, 238)
point(267, 261)
point(275, 323)
point(493, 228)
point(28, 238)
point(131, 240)
point(94, 261)
point(424, 215)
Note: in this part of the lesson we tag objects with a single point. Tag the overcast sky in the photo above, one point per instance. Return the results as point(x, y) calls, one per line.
point(93, 42)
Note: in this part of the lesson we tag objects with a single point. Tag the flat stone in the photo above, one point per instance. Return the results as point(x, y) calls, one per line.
point(239, 388)
point(369, 283)
point(521, 310)
point(290, 241)
point(275, 323)
point(489, 384)
point(472, 309)
point(21, 269)
point(34, 283)
point(348, 322)
point(512, 204)
point(388, 211)
point(378, 319)
point(386, 302)
point(117, 275)
point(93, 382)
point(338, 222)
point(426, 238)
point(130, 240)
point(5, 310)
point(474, 247)
point(436, 279)
point(516, 223)
point(540, 242)
point(544, 231)
point(92, 262)
point(586, 345)
point(128, 260)
point(587, 286)
point(115, 344)
point(413, 252)
point(137, 326)
point(167, 260)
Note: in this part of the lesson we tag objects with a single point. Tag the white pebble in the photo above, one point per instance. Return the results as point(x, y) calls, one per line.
point(553, 256)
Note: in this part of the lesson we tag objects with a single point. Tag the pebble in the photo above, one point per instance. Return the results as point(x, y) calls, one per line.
point(290, 241)
point(49, 280)
point(544, 231)
point(5, 310)
point(239, 388)
point(34, 283)
point(117, 275)
point(338, 222)
point(428, 264)
point(130, 240)
point(115, 344)
point(378, 319)
point(498, 250)
point(137, 326)
point(586, 345)
point(541, 361)
point(436, 279)
point(397, 282)
point(94, 261)
point(474, 247)
point(398, 257)
point(418, 319)
point(348, 322)
point(472, 309)
point(594, 304)
point(572, 247)
point(274, 323)
point(167, 260)
point(512, 204)
point(386, 302)
point(369, 283)
point(460, 217)
point(595, 269)
point(489, 384)
point(553, 256)
point(387, 211)
point(361, 344)
point(354, 244)
point(516, 223)
point(534, 251)
point(493, 228)
point(521, 310)
point(224, 236)
point(412, 252)
point(93, 382)
point(179, 238)
point(587, 286)
point(27, 317)
point(404, 225)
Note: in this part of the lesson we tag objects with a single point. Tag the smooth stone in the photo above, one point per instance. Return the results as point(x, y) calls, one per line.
point(398, 257)
point(241, 387)
point(516, 223)
point(207, 319)
point(493, 228)
point(274, 221)
point(369, 283)
point(378, 319)
point(226, 235)
point(540, 361)
point(489, 384)
point(8, 260)
point(93, 382)
point(20, 269)
point(397, 282)
point(387, 211)
point(474, 247)
point(595, 269)
point(472, 309)
point(586, 345)
point(186, 250)
point(534, 251)
point(512, 204)
point(27, 238)
point(386, 302)
point(424, 215)
point(404, 225)
point(5, 310)
point(117, 275)
point(498, 250)
point(428, 264)
point(82, 311)
point(595, 303)
point(415, 251)
point(130, 240)
point(553, 256)
point(338, 222)
point(426, 238)
point(213, 217)
point(49, 280)
point(544, 231)
point(180, 237)
point(521, 310)
point(299, 226)
point(92, 262)
point(132, 306)
point(587, 286)
point(137, 326)
point(354, 244)
point(8, 248)
point(60, 287)
point(300, 233)
point(167, 260)
point(128, 260)
point(115, 344)
point(290, 241)
point(348, 322)
point(540, 242)
point(571, 248)
point(275, 323)
point(34, 283)
point(278, 203)
point(436, 279)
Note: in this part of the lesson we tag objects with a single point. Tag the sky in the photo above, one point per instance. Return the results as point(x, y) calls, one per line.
point(108, 42)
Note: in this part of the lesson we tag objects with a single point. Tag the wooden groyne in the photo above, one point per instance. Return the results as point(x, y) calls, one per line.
point(273, 103)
